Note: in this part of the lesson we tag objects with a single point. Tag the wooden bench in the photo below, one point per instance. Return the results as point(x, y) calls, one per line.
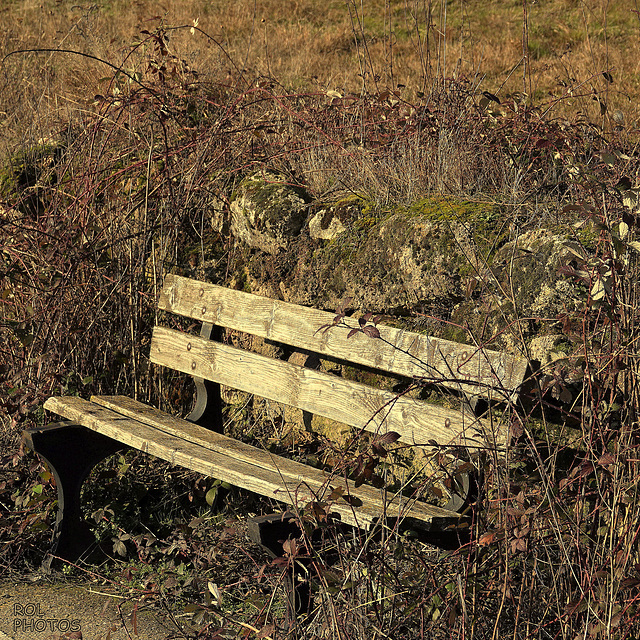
point(103, 425)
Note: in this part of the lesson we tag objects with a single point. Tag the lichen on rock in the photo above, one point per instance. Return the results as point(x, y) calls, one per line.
point(403, 260)
point(267, 211)
point(527, 293)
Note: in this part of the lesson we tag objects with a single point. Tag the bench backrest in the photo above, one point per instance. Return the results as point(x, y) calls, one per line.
point(403, 353)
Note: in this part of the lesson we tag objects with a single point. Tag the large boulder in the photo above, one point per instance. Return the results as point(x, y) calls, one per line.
point(454, 268)
point(267, 212)
point(457, 269)
point(413, 259)
point(526, 294)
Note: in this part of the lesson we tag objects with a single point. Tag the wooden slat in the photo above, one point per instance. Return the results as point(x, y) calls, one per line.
point(321, 393)
point(400, 352)
point(186, 430)
point(214, 455)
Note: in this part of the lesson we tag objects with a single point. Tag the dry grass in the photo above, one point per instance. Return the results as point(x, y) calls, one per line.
point(343, 46)
point(143, 159)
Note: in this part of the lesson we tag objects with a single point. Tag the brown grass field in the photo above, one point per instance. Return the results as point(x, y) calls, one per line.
point(537, 51)
point(124, 125)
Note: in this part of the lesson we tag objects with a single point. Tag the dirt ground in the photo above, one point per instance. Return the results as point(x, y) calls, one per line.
point(49, 610)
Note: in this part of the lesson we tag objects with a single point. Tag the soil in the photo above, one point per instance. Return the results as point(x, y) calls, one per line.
point(47, 609)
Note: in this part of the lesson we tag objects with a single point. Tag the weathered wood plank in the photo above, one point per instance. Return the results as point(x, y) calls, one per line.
point(266, 474)
point(321, 393)
point(400, 352)
point(198, 435)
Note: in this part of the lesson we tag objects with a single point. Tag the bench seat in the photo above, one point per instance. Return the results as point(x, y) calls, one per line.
point(212, 454)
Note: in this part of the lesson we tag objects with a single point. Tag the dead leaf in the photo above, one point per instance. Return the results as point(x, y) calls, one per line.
point(606, 459)
point(486, 539)
point(266, 631)
point(290, 547)
point(388, 438)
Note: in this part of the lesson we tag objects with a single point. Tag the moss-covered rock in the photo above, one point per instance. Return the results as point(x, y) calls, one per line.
point(456, 269)
point(330, 220)
point(24, 181)
point(405, 260)
point(525, 293)
point(267, 212)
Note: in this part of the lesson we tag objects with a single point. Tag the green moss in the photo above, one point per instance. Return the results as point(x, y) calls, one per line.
point(483, 222)
point(357, 199)
point(242, 282)
point(588, 237)
point(454, 333)
point(484, 217)
point(556, 434)
point(368, 377)
point(347, 246)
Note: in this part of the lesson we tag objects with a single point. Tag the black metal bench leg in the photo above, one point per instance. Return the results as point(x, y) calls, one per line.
point(270, 532)
point(71, 452)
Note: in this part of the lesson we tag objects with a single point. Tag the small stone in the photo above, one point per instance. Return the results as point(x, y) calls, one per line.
point(325, 225)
